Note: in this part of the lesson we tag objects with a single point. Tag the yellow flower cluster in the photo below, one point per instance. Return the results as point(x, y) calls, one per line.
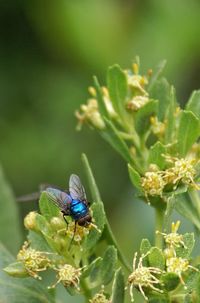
point(153, 183)
point(157, 127)
point(182, 170)
point(80, 231)
point(175, 264)
point(136, 99)
point(99, 298)
point(137, 84)
point(34, 261)
point(68, 276)
point(90, 113)
point(143, 276)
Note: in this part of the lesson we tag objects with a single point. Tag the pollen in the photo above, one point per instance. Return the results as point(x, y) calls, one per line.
point(143, 277)
point(34, 261)
point(153, 183)
point(68, 276)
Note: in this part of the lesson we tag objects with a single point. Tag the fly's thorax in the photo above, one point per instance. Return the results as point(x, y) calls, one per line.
point(78, 209)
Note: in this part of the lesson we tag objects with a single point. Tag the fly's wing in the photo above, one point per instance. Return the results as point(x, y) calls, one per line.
point(58, 197)
point(76, 189)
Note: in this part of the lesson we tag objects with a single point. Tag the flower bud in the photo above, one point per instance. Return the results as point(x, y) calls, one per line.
point(30, 221)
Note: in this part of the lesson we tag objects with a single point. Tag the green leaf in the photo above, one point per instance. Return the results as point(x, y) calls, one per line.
point(188, 132)
point(192, 282)
point(111, 135)
point(156, 155)
point(91, 180)
point(170, 207)
point(170, 281)
point(18, 290)
point(135, 177)
point(108, 264)
point(98, 214)
point(145, 246)
point(194, 103)
point(47, 208)
point(10, 232)
point(159, 298)
point(170, 117)
point(156, 74)
point(156, 258)
point(118, 287)
point(161, 92)
point(187, 210)
point(118, 88)
point(37, 241)
point(142, 117)
point(104, 272)
point(184, 252)
point(101, 104)
point(92, 267)
point(16, 269)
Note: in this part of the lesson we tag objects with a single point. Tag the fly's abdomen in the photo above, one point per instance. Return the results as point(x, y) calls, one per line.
point(78, 209)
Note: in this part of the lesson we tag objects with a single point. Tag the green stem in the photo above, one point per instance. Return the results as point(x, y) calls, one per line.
point(195, 198)
point(86, 290)
point(159, 218)
point(97, 198)
point(111, 240)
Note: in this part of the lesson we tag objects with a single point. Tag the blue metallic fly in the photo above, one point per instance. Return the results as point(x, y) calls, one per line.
point(73, 203)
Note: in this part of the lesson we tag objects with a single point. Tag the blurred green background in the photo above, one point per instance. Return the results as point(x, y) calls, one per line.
point(49, 51)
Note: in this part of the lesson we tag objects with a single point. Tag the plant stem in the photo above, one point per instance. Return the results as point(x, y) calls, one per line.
point(111, 239)
point(159, 217)
point(97, 198)
point(195, 198)
point(87, 291)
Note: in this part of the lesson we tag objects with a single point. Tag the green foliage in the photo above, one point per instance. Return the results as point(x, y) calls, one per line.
point(118, 287)
point(11, 235)
point(139, 116)
point(156, 155)
point(193, 103)
point(188, 132)
point(17, 290)
point(156, 258)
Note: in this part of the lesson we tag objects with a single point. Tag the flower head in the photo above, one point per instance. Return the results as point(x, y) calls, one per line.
point(179, 265)
point(173, 239)
point(34, 261)
point(153, 183)
point(99, 298)
point(80, 231)
point(137, 102)
point(90, 113)
point(30, 221)
point(68, 276)
point(182, 171)
point(108, 104)
point(143, 276)
point(158, 128)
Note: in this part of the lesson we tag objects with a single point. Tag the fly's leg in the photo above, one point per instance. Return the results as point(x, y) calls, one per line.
point(64, 217)
point(70, 244)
